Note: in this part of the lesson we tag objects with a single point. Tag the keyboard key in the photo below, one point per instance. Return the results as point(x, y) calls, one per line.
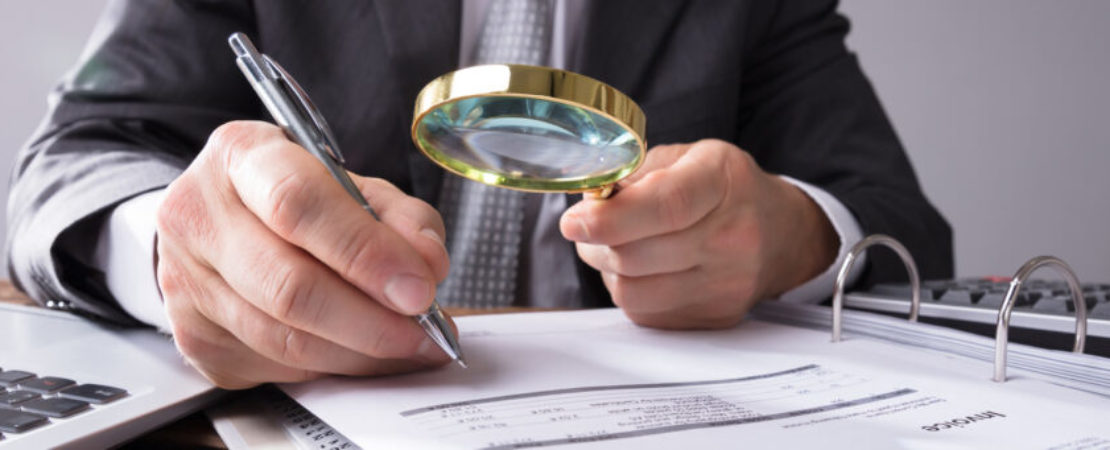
point(14, 398)
point(1053, 305)
point(935, 289)
point(55, 406)
point(956, 297)
point(1100, 311)
point(18, 421)
point(1024, 300)
point(1091, 301)
point(1063, 305)
point(976, 295)
point(11, 377)
point(94, 393)
point(992, 300)
point(1034, 296)
point(46, 385)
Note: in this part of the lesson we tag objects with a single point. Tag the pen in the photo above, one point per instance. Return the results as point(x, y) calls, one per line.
point(296, 114)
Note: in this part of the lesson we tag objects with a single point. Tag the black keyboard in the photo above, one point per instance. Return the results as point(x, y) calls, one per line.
point(1043, 314)
point(28, 401)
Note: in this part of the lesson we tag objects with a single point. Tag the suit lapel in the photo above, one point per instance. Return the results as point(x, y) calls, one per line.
point(622, 39)
point(422, 41)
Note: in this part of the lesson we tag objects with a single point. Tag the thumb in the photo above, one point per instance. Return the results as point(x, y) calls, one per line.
point(658, 157)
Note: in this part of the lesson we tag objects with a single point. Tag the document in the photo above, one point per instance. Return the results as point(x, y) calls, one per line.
point(592, 379)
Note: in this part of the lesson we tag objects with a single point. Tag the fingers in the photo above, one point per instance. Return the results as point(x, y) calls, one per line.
point(672, 252)
point(295, 197)
point(680, 245)
point(236, 345)
point(416, 221)
point(660, 156)
point(225, 361)
point(678, 300)
point(288, 345)
point(296, 289)
point(209, 348)
point(258, 257)
point(664, 200)
point(232, 364)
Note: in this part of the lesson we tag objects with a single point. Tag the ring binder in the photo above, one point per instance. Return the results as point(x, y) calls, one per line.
point(1002, 334)
point(855, 252)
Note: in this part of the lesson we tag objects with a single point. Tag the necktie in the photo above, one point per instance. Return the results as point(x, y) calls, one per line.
point(483, 222)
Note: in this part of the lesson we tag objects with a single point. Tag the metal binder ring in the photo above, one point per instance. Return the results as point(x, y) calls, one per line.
point(1002, 335)
point(853, 254)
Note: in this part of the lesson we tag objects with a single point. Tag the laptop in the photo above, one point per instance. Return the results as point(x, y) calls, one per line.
point(69, 382)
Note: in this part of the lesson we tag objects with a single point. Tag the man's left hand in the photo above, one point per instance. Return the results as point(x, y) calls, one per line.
point(698, 234)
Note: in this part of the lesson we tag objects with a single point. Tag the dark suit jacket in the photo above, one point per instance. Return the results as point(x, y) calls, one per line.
point(773, 77)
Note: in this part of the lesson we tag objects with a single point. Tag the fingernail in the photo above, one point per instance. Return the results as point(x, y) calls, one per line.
point(431, 234)
point(409, 293)
point(572, 227)
point(583, 232)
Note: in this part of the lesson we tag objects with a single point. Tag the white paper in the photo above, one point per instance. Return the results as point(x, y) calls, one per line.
point(592, 379)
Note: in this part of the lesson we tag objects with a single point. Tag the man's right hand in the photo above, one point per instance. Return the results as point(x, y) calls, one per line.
point(271, 272)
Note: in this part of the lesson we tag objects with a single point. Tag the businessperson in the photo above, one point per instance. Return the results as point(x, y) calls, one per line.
point(156, 192)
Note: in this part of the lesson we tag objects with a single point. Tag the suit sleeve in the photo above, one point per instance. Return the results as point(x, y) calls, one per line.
point(156, 77)
point(809, 112)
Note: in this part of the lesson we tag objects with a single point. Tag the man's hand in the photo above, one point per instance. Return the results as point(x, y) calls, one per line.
point(271, 272)
point(696, 236)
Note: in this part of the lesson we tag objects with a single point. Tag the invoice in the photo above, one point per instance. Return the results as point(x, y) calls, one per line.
point(592, 379)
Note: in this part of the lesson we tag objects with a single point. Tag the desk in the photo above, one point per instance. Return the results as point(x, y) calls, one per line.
point(195, 430)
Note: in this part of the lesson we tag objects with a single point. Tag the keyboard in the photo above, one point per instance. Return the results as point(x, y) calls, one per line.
point(68, 382)
point(28, 401)
point(1043, 314)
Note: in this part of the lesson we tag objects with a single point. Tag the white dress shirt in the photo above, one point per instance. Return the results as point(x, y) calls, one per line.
point(125, 249)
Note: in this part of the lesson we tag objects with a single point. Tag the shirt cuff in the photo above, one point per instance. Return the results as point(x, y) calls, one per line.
point(849, 232)
point(125, 252)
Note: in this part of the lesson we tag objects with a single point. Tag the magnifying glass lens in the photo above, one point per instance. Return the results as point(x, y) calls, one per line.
point(528, 143)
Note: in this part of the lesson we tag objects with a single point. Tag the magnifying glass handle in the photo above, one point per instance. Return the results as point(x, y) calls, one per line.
point(601, 193)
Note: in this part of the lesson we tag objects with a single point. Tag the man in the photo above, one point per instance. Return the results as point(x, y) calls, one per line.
point(779, 158)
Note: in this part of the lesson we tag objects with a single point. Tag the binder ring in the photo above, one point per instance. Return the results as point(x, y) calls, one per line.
point(1002, 334)
point(853, 254)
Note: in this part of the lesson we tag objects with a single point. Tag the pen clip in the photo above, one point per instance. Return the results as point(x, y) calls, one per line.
point(325, 136)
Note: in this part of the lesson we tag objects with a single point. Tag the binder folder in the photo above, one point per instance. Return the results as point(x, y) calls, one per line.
point(1003, 327)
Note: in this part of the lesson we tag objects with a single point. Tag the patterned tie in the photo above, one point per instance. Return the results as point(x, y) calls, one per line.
point(483, 222)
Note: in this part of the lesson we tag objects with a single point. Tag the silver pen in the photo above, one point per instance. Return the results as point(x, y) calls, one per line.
point(298, 116)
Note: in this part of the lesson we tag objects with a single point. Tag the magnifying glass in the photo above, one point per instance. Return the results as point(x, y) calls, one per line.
point(530, 128)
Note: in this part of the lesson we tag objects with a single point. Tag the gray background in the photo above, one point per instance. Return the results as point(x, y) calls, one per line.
point(1003, 106)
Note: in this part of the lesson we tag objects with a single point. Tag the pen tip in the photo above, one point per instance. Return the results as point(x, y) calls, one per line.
point(462, 363)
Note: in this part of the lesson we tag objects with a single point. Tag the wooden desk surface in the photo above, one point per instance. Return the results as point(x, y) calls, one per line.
point(195, 430)
point(9, 294)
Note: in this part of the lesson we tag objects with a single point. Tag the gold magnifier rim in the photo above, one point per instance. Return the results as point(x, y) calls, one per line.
point(524, 81)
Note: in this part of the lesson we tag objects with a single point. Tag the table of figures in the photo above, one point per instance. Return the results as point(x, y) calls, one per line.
point(586, 414)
